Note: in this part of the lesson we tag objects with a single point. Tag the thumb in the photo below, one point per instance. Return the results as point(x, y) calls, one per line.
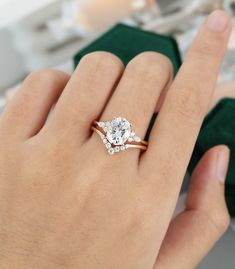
point(194, 232)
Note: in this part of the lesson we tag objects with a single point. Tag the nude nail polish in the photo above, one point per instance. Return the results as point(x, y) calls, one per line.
point(217, 20)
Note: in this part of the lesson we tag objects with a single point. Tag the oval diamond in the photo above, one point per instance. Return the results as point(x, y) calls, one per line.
point(118, 131)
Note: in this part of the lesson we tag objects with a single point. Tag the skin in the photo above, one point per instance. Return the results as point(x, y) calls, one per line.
point(65, 203)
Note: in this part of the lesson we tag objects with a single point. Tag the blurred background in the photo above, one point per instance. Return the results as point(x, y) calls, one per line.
point(48, 33)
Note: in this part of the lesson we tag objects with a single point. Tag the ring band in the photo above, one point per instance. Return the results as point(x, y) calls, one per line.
point(118, 135)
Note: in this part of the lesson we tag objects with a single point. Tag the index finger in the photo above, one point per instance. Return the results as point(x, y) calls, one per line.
point(176, 129)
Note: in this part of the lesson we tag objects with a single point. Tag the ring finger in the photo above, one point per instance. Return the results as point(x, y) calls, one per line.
point(138, 91)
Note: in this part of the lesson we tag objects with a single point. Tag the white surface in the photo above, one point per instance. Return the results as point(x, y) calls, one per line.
point(222, 255)
point(13, 10)
point(11, 63)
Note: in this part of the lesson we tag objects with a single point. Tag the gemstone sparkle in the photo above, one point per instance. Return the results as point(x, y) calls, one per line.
point(118, 131)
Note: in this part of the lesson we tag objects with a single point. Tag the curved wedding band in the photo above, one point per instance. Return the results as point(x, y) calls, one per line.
point(118, 135)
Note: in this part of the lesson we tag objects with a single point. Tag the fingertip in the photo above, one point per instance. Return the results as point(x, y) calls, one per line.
point(214, 163)
point(206, 189)
point(218, 21)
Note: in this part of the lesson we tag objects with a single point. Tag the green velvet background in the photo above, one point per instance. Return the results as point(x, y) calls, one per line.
point(126, 42)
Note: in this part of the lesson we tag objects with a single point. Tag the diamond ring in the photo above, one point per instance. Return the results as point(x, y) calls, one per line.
point(118, 135)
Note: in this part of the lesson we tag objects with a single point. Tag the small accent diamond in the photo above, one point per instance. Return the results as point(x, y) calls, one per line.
point(117, 149)
point(130, 139)
point(132, 133)
point(122, 147)
point(101, 124)
point(105, 140)
point(111, 151)
point(108, 145)
point(137, 139)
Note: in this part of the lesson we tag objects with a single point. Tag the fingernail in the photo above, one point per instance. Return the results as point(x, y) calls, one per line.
point(217, 20)
point(222, 163)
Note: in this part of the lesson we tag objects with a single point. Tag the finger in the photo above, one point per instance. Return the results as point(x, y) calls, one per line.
point(138, 91)
point(86, 94)
point(27, 111)
point(194, 232)
point(175, 131)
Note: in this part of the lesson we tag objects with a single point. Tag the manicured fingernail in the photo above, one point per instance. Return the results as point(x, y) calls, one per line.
point(217, 20)
point(222, 163)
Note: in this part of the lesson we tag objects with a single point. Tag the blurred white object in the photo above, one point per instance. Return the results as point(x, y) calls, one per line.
point(12, 64)
point(2, 103)
point(95, 15)
point(12, 11)
point(11, 69)
point(177, 13)
point(31, 44)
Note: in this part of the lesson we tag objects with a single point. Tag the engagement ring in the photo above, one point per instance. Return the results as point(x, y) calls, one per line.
point(118, 135)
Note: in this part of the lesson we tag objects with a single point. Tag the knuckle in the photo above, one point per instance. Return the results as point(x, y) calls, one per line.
point(219, 220)
point(202, 50)
point(187, 113)
point(103, 60)
point(223, 221)
point(210, 47)
point(46, 77)
point(152, 64)
point(187, 107)
point(152, 58)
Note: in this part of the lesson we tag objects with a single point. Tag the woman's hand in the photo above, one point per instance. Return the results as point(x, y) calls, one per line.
point(65, 203)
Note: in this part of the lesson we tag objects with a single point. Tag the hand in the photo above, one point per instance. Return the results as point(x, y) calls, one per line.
point(65, 203)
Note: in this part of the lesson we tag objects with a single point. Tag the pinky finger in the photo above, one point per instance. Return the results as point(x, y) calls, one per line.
point(194, 232)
